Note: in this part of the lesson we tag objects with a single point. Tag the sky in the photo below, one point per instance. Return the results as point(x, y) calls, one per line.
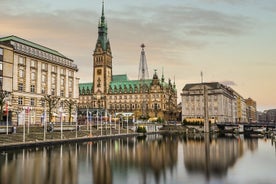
point(230, 41)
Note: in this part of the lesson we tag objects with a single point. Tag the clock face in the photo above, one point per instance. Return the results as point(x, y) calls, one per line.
point(99, 71)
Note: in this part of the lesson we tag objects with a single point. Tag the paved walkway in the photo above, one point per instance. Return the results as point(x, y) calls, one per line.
point(35, 137)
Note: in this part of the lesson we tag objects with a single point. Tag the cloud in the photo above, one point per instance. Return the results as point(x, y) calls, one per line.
point(228, 83)
point(168, 32)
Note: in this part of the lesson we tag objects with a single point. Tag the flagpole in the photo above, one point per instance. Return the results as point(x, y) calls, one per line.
point(28, 113)
point(24, 119)
point(105, 122)
point(110, 123)
point(97, 119)
point(76, 118)
point(101, 124)
point(7, 111)
point(44, 122)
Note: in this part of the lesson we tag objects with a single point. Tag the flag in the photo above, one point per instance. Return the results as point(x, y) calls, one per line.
point(28, 110)
point(7, 108)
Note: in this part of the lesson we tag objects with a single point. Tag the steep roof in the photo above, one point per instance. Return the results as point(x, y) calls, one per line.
point(118, 78)
point(129, 85)
point(31, 44)
point(86, 88)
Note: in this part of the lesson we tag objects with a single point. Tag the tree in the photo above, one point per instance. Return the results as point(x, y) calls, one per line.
point(51, 102)
point(70, 104)
point(3, 99)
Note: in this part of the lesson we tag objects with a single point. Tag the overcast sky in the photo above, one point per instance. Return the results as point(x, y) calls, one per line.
point(230, 41)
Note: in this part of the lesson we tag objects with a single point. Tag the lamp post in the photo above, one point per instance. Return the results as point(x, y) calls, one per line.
point(127, 123)
point(44, 121)
point(97, 119)
point(90, 124)
point(110, 123)
point(86, 118)
point(101, 124)
point(61, 111)
point(7, 111)
point(76, 118)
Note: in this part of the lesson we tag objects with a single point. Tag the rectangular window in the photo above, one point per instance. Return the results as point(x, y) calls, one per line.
point(20, 86)
point(1, 65)
point(62, 93)
point(21, 72)
point(1, 54)
point(32, 88)
point(54, 69)
point(33, 76)
point(43, 78)
point(70, 83)
point(21, 60)
point(43, 90)
point(1, 82)
point(20, 101)
point(32, 102)
point(53, 91)
point(53, 79)
point(62, 81)
point(44, 66)
point(33, 63)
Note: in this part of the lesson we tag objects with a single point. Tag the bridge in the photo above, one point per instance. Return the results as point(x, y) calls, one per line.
point(246, 127)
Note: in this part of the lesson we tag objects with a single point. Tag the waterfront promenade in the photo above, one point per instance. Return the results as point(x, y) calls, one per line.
point(35, 137)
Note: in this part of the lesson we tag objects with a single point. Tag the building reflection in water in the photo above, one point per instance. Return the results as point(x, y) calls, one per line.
point(213, 157)
point(41, 165)
point(150, 159)
point(122, 157)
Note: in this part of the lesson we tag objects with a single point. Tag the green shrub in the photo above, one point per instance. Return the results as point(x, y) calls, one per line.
point(141, 129)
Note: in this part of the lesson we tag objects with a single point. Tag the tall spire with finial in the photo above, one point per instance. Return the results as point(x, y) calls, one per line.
point(143, 67)
point(102, 31)
point(103, 8)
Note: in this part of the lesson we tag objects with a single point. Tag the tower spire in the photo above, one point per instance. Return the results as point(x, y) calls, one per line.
point(102, 31)
point(143, 68)
point(102, 8)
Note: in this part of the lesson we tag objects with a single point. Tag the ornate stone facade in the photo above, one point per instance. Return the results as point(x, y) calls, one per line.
point(32, 71)
point(116, 93)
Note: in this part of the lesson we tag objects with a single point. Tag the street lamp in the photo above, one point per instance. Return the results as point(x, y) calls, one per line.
point(7, 111)
point(61, 111)
point(127, 123)
point(90, 124)
point(44, 120)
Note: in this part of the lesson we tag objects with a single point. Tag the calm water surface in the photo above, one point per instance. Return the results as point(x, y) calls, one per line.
point(141, 160)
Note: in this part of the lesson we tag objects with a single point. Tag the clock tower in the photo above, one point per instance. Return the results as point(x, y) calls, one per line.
point(102, 64)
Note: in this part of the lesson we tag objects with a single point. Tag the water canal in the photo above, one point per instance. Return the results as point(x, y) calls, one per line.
point(144, 160)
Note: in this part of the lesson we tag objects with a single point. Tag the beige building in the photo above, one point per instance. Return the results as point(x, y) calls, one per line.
point(251, 110)
point(31, 71)
point(224, 104)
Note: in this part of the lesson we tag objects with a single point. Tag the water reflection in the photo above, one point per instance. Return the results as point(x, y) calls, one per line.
point(45, 165)
point(151, 159)
point(211, 156)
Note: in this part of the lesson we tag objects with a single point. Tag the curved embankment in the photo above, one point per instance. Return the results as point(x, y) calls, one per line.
point(20, 145)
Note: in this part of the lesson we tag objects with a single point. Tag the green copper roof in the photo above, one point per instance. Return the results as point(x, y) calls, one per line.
point(129, 85)
point(102, 32)
point(121, 83)
point(117, 78)
point(31, 44)
point(85, 88)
